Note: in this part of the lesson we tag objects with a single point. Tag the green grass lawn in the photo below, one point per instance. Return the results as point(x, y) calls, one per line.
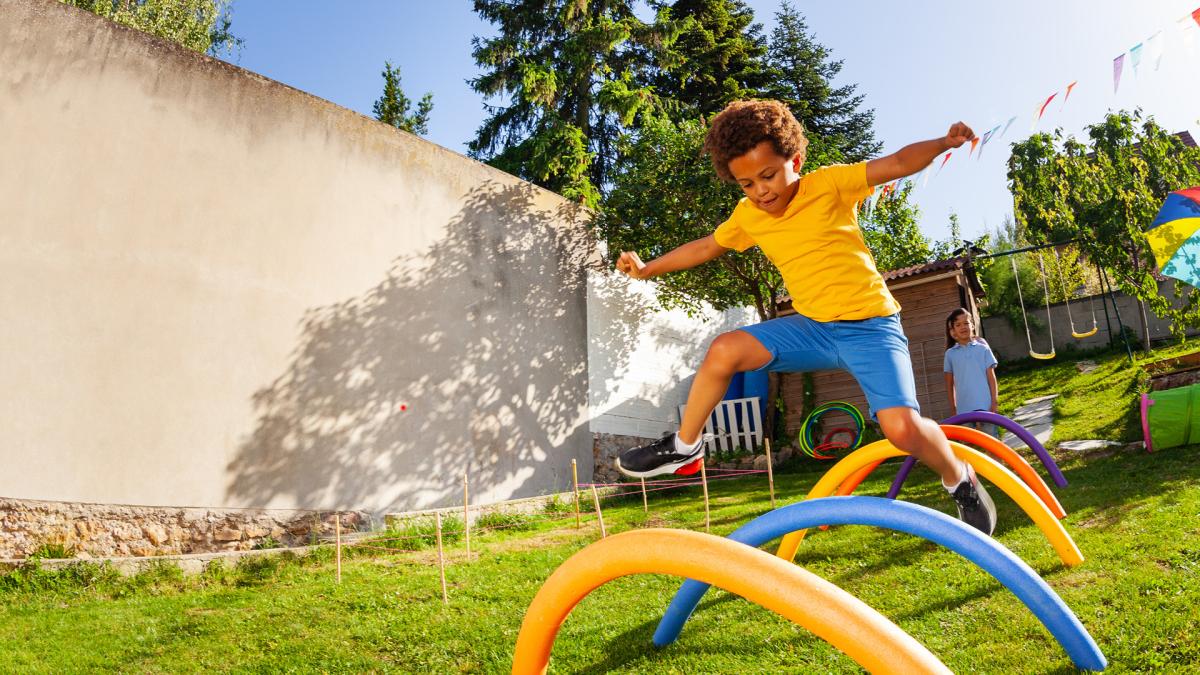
point(1101, 404)
point(1134, 515)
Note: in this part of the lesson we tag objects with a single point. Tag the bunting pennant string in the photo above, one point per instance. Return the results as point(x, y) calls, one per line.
point(1155, 48)
point(1068, 94)
point(1152, 48)
point(944, 160)
point(987, 136)
point(1187, 33)
point(1135, 57)
point(1042, 109)
point(1007, 125)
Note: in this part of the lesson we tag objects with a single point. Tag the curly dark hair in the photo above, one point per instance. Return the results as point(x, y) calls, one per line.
point(744, 124)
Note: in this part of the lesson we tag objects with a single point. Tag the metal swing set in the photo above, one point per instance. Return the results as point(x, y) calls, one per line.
point(1075, 332)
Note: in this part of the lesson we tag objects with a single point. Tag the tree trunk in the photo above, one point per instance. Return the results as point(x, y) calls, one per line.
point(1145, 325)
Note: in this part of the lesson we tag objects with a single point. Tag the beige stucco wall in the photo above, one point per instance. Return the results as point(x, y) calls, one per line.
point(220, 291)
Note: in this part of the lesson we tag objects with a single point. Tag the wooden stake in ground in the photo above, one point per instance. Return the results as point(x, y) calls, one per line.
point(442, 559)
point(770, 473)
point(575, 482)
point(704, 482)
point(337, 530)
point(645, 504)
point(467, 515)
point(599, 515)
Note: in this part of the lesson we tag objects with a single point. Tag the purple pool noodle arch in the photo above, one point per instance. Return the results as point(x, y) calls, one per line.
point(987, 418)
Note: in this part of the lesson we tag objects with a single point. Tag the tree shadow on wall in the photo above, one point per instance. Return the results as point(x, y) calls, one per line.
point(470, 355)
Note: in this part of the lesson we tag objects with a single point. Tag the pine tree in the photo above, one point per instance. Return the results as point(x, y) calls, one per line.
point(569, 70)
point(720, 53)
point(393, 106)
point(802, 76)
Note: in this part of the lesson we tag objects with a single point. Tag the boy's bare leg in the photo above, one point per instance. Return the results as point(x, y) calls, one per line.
point(922, 438)
point(730, 353)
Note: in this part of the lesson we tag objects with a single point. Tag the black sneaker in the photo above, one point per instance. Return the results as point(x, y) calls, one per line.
point(975, 506)
point(656, 459)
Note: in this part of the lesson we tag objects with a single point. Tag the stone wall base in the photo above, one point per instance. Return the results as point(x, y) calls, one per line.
point(606, 448)
point(107, 530)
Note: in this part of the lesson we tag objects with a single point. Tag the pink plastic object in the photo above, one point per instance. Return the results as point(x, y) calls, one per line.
point(1146, 403)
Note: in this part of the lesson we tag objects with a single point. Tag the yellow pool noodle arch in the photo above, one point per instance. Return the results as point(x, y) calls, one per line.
point(984, 466)
point(831, 613)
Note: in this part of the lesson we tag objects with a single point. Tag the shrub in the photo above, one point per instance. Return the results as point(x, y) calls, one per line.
point(419, 533)
point(507, 521)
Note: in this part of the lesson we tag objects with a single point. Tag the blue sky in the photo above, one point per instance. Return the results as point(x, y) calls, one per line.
point(921, 66)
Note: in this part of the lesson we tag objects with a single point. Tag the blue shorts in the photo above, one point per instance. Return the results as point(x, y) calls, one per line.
point(874, 351)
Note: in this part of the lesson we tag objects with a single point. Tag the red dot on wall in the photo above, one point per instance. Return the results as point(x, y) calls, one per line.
point(403, 407)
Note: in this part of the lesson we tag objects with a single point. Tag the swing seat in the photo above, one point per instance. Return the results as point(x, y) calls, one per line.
point(1080, 336)
point(1044, 357)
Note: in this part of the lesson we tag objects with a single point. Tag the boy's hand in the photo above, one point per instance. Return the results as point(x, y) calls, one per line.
point(959, 133)
point(631, 264)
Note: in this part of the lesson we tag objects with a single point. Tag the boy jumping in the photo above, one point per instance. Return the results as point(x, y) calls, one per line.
point(846, 318)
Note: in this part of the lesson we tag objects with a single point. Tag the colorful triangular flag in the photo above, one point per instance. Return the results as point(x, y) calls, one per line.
point(1135, 57)
point(1068, 94)
point(1007, 125)
point(1041, 110)
point(1118, 66)
point(1187, 32)
point(987, 136)
point(944, 160)
point(1154, 48)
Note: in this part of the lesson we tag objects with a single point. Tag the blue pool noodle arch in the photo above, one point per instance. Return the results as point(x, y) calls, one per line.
point(921, 521)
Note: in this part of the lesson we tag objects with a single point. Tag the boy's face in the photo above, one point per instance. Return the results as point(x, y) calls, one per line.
point(768, 179)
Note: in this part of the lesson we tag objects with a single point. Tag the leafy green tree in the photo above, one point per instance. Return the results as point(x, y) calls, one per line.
point(1002, 298)
point(892, 233)
point(951, 247)
point(666, 195)
point(1066, 272)
point(569, 69)
point(393, 106)
point(199, 25)
point(1103, 195)
point(717, 56)
point(802, 75)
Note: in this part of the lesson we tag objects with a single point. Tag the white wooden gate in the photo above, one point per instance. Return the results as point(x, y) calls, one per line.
point(735, 423)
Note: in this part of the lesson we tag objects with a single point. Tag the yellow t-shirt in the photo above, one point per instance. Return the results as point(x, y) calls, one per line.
point(817, 246)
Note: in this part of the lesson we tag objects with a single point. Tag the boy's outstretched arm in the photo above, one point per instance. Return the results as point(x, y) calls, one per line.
point(683, 257)
point(912, 158)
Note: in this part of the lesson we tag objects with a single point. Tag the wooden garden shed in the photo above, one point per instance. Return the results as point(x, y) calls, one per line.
point(927, 294)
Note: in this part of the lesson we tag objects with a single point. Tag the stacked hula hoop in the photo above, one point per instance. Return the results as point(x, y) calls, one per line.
point(807, 430)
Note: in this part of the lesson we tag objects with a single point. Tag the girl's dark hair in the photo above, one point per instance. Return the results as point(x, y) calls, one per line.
point(950, 341)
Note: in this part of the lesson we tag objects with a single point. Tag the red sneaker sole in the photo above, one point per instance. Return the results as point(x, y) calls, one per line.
point(689, 469)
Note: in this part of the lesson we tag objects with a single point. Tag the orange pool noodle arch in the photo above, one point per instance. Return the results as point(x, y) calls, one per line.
point(1016, 462)
point(985, 466)
point(831, 613)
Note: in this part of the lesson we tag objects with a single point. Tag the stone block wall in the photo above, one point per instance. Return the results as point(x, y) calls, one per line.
point(102, 530)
